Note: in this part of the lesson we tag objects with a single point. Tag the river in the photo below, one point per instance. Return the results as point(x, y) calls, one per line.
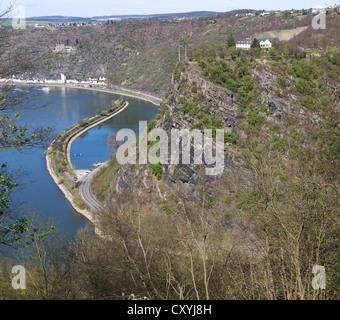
point(63, 107)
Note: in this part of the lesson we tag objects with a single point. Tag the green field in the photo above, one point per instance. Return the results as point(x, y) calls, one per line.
point(28, 22)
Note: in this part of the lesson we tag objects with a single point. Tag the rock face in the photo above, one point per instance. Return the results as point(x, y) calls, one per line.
point(221, 106)
point(213, 96)
point(277, 102)
point(138, 185)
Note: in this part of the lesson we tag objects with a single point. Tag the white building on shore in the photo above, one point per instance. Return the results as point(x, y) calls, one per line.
point(63, 78)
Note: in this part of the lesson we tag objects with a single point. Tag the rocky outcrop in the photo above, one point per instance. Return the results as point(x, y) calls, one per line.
point(276, 100)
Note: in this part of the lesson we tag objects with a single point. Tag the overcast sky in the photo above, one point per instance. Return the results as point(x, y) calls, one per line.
point(88, 8)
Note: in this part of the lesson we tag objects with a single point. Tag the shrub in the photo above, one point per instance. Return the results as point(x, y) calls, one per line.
point(81, 123)
point(231, 85)
point(80, 204)
point(229, 137)
point(254, 117)
point(177, 75)
point(275, 127)
point(60, 168)
point(193, 89)
point(278, 143)
point(212, 203)
point(304, 86)
point(201, 63)
point(152, 124)
point(207, 110)
point(157, 170)
point(310, 102)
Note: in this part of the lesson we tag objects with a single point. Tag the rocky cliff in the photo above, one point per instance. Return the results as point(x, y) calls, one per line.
point(193, 102)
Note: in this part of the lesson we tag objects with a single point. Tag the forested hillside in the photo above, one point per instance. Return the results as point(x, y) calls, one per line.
point(144, 52)
point(257, 231)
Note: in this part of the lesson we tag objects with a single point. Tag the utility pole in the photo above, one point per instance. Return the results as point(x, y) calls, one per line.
point(179, 53)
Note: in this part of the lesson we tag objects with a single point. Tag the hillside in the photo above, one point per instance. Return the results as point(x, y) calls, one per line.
point(144, 52)
point(279, 190)
point(245, 96)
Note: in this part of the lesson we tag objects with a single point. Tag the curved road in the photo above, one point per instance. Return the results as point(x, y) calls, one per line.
point(85, 192)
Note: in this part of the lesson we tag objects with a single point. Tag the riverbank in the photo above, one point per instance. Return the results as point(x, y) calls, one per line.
point(68, 195)
point(115, 90)
point(69, 144)
point(64, 178)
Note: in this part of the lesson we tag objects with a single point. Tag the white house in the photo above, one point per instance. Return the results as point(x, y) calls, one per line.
point(63, 78)
point(318, 9)
point(265, 44)
point(246, 44)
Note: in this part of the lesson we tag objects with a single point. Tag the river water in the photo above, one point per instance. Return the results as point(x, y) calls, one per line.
point(63, 107)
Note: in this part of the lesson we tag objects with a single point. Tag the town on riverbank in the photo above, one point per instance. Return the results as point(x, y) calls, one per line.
point(93, 83)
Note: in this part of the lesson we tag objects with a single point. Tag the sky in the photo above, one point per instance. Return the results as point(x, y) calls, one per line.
point(90, 8)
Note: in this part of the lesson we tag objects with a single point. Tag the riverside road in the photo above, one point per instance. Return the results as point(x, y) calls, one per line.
point(85, 192)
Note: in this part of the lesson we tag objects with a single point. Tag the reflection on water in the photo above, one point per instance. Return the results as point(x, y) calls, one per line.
point(63, 92)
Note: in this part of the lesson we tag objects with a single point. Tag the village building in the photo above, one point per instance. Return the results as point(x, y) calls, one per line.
point(63, 78)
point(126, 83)
point(63, 47)
point(245, 44)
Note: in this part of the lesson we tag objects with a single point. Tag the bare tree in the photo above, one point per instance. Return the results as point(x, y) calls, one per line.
point(13, 135)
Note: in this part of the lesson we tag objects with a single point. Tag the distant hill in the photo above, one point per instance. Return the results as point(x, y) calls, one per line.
point(193, 14)
point(58, 19)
